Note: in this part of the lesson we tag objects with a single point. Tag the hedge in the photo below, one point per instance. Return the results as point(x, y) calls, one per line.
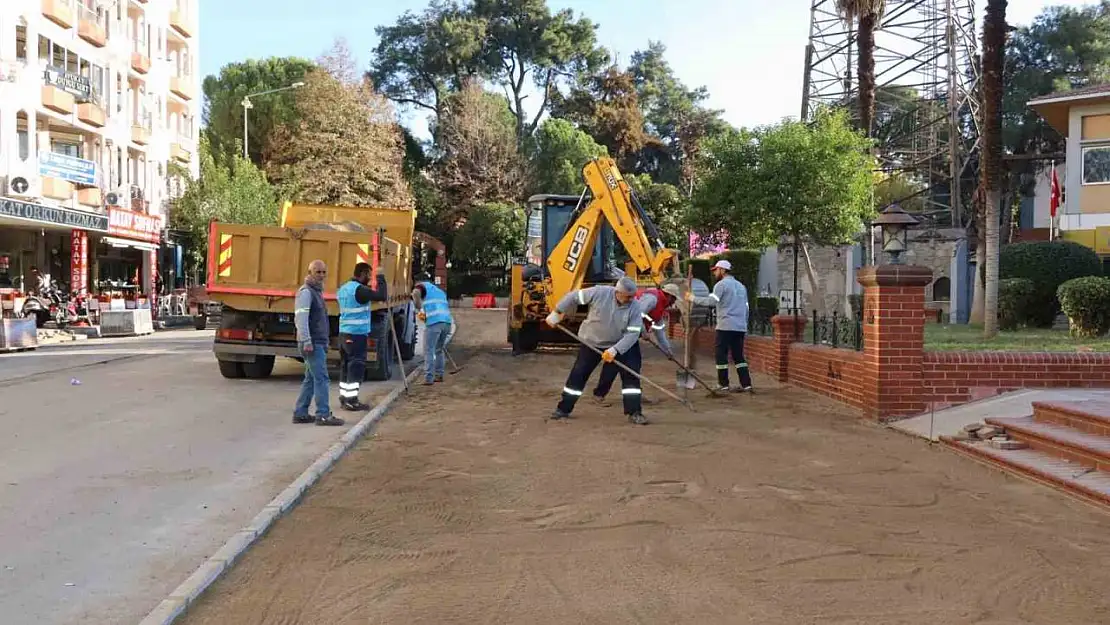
point(1015, 298)
point(1048, 264)
point(1086, 302)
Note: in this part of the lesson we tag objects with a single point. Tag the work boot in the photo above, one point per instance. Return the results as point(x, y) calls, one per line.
point(329, 420)
point(355, 405)
point(439, 378)
point(746, 389)
point(638, 418)
point(303, 418)
point(429, 382)
point(723, 388)
point(559, 415)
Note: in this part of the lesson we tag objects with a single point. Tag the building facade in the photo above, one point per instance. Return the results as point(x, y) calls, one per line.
point(99, 114)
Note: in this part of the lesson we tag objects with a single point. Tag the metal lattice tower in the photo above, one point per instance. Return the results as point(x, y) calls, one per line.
point(925, 50)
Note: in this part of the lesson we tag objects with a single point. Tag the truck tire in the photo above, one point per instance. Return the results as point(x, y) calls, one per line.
point(200, 322)
point(260, 369)
point(230, 369)
point(408, 350)
point(379, 369)
point(526, 339)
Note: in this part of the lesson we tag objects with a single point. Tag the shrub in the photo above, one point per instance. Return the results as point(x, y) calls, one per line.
point(766, 307)
point(1086, 302)
point(1015, 298)
point(700, 269)
point(1048, 264)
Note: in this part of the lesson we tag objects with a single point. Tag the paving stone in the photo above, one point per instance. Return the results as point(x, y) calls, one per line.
point(973, 427)
point(1007, 444)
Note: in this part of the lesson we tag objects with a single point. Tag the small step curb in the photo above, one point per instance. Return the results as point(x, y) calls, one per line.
point(175, 605)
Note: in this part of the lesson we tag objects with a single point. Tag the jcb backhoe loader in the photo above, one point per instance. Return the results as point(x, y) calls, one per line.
point(571, 244)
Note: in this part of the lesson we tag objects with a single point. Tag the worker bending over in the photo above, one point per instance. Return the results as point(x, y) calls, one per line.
point(435, 312)
point(613, 324)
point(653, 307)
point(354, 329)
point(731, 299)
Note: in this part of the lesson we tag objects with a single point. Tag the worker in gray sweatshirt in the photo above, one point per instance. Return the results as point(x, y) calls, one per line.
point(613, 326)
point(730, 297)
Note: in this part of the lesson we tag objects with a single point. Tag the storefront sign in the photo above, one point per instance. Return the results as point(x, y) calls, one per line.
point(71, 168)
point(57, 216)
point(79, 261)
point(76, 84)
point(132, 225)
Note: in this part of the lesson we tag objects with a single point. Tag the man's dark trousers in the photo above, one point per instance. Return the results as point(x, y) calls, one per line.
point(731, 341)
point(352, 366)
point(584, 366)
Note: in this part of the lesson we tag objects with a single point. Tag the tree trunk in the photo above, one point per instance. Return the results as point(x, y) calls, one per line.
point(977, 292)
point(990, 281)
point(866, 70)
point(994, 42)
point(818, 295)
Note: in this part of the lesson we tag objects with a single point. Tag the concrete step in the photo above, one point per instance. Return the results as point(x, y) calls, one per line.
point(1089, 450)
point(1088, 415)
point(1073, 478)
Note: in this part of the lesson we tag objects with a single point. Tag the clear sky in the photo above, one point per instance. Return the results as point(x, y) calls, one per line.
point(748, 53)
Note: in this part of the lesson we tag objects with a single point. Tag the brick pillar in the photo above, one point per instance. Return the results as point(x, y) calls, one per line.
point(787, 329)
point(893, 339)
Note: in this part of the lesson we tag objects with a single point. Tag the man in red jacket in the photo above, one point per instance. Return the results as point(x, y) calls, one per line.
point(654, 304)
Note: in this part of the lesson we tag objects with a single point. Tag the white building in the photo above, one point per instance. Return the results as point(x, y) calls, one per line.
point(98, 98)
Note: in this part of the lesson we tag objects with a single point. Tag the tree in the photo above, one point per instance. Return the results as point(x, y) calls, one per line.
point(525, 43)
point(236, 192)
point(866, 16)
point(223, 97)
point(798, 179)
point(606, 106)
point(666, 206)
point(479, 160)
point(560, 152)
point(492, 234)
point(994, 44)
point(345, 148)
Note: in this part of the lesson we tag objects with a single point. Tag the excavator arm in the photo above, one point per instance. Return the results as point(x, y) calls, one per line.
point(614, 201)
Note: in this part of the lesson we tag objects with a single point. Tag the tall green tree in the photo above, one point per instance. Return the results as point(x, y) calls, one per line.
point(865, 16)
point(990, 170)
point(667, 207)
point(809, 181)
point(606, 106)
point(491, 235)
point(559, 152)
point(223, 97)
point(230, 189)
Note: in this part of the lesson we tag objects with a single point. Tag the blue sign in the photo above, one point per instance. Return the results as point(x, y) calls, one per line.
point(70, 168)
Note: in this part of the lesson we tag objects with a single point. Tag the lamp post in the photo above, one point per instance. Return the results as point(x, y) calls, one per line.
point(894, 223)
point(247, 105)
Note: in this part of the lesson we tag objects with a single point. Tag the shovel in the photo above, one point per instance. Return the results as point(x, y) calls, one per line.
point(684, 377)
point(455, 368)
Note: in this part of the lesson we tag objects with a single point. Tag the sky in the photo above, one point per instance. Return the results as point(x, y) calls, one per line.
point(749, 54)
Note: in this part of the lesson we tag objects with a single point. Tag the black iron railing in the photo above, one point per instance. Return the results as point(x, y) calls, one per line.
point(837, 330)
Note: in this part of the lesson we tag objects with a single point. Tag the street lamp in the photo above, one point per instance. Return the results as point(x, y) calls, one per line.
point(247, 105)
point(895, 222)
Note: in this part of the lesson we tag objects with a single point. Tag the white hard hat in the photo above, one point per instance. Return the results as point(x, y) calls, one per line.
point(672, 290)
point(723, 264)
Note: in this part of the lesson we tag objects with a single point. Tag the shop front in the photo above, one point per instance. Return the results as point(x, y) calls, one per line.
point(125, 260)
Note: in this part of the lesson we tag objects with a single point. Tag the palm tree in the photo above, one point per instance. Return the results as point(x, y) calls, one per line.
point(990, 168)
point(865, 15)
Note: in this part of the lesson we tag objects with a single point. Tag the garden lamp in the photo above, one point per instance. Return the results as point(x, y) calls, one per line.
point(895, 222)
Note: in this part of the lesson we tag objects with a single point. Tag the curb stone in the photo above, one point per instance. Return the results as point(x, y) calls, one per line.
point(174, 606)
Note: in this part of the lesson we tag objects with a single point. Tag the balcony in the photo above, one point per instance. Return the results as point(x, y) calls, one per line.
point(59, 11)
point(182, 86)
point(179, 153)
point(89, 196)
point(90, 29)
point(91, 114)
point(57, 100)
point(57, 189)
point(180, 21)
point(140, 135)
point(140, 62)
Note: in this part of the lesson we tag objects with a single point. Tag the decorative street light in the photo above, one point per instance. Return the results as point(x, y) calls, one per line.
point(247, 105)
point(895, 222)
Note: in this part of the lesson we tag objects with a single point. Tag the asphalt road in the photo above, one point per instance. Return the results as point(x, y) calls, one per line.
point(127, 462)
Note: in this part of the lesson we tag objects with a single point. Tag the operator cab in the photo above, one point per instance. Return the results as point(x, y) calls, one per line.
point(549, 218)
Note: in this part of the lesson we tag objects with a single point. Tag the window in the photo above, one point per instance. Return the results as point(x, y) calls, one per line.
point(21, 43)
point(68, 148)
point(24, 145)
point(1096, 165)
point(44, 49)
point(942, 290)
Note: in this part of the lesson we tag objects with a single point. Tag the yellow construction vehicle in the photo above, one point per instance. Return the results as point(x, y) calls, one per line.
point(571, 244)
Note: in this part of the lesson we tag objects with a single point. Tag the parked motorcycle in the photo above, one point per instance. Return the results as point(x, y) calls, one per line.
point(52, 303)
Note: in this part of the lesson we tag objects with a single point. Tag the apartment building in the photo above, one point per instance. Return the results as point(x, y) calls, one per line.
point(99, 104)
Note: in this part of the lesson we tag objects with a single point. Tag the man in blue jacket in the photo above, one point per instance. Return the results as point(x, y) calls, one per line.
point(354, 330)
point(435, 312)
point(731, 300)
point(310, 315)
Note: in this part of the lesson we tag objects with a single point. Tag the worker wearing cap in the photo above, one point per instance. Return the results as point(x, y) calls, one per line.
point(654, 304)
point(731, 300)
point(613, 325)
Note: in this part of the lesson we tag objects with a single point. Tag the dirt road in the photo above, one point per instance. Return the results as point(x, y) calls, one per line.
point(467, 507)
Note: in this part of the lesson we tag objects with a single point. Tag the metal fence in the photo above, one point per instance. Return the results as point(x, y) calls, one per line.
point(836, 330)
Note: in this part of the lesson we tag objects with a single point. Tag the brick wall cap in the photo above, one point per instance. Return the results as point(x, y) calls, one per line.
point(787, 320)
point(894, 275)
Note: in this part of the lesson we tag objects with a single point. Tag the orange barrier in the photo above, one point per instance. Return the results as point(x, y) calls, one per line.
point(484, 300)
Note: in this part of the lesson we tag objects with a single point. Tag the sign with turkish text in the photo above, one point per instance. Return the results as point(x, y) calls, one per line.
point(75, 84)
point(70, 168)
point(79, 261)
point(38, 213)
point(131, 225)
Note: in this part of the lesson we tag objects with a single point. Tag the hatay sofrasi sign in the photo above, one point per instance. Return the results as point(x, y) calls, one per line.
point(26, 211)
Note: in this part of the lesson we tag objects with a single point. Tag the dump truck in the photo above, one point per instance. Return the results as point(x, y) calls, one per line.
point(254, 272)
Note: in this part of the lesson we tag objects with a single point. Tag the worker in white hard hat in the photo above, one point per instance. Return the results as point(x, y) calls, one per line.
point(731, 300)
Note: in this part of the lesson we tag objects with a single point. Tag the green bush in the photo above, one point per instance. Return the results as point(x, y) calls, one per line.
point(766, 307)
point(1048, 264)
point(1086, 302)
point(701, 269)
point(1015, 299)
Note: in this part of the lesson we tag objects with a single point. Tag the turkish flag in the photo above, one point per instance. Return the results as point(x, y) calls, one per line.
point(1054, 198)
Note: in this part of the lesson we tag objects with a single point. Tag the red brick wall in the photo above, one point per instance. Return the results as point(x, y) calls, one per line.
point(832, 372)
point(953, 378)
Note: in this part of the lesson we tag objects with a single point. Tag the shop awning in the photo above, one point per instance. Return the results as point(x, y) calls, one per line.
point(139, 245)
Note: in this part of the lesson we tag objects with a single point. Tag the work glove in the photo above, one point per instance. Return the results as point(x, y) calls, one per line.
point(422, 316)
point(554, 318)
point(609, 355)
point(689, 296)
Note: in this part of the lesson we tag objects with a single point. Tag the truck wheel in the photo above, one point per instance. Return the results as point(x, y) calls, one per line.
point(377, 370)
point(526, 339)
point(261, 368)
point(230, 369)
point(408, 350)
point(200, 322)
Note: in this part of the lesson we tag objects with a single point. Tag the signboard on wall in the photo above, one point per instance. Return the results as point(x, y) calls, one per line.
point(70, 168)
point(75, 84)
point(26, 211)
point(79, 261)
point(136, 226)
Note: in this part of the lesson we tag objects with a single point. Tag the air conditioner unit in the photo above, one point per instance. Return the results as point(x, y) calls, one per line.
point(19, 186)
point(112, 199)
